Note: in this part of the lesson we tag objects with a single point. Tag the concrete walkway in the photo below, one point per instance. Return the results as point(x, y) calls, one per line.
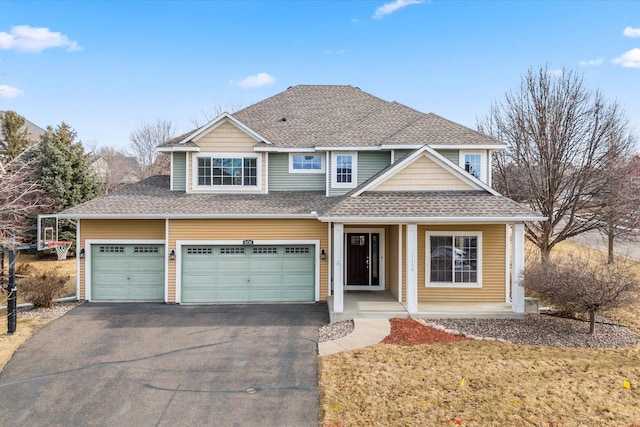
point(366, 332)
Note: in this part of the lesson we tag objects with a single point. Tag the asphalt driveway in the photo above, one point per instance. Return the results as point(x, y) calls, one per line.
point(141, 364)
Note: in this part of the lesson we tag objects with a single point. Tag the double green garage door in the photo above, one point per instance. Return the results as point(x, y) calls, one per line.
point(209, 273)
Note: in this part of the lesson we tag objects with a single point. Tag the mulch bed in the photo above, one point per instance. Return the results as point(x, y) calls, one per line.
point(410, 332)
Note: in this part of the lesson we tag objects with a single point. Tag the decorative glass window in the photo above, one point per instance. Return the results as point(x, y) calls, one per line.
point(296, 250)
point(453, 259)
point(112, 249)
point(228, 171)
point(303, 163)
point(145, 249)
point(265, 250)
point(232, 251)
point(344, 172)
point(202, 250)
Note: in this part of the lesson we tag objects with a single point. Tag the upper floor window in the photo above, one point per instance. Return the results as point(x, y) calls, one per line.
point(228, 171)
point(303, 163)
point(344, 172)
point(474, 163)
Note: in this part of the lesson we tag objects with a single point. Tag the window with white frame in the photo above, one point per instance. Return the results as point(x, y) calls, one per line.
point(454, 259)
point(344, 169)
point(306, 163)
point(227, 171)
point(474, 163)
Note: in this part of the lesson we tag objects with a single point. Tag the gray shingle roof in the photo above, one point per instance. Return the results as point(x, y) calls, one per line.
point(309, 116)
point(429, 204)
point(152, 198)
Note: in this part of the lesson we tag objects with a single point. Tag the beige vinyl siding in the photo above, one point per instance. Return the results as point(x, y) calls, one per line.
point(102, 229)
point(253, 229)
point(281, 180)
point(226, 138)
point(452, 155)
point(371, 162)
point(179, 171)
point(493, 267)
point(423, 175)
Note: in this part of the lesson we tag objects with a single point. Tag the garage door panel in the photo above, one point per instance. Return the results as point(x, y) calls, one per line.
point(261, 273)
point(127, 272)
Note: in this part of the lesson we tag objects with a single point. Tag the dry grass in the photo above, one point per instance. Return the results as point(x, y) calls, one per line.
point(481, 383)
point(475, 383)
point(65, 268)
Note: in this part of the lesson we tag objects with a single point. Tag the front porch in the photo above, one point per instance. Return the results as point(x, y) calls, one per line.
point(382, 305)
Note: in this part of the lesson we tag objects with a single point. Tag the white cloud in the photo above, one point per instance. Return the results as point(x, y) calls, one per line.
point(592, 62)
point(631, 32)
point(335, 52)
point(35, 39)
point(629, 59)
point(259, 80)
point(389, 8)
point(9, 92)
point(558, 72)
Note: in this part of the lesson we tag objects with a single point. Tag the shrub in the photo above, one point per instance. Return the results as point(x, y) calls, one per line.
point(577, 285)
point(40, 288)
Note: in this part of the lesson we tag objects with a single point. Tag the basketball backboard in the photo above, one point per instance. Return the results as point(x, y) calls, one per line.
point(47, 231)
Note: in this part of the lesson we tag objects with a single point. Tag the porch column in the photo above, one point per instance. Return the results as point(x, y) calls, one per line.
point(412, 268)
point(517, 267)
point(338, 270)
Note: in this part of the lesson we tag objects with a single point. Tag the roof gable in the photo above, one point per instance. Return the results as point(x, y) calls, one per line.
point(423, 170)
point(189, 141)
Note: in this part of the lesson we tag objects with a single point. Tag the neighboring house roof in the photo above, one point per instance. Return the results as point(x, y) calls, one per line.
point(34, 132)
point(319, 116)
point(152, 198)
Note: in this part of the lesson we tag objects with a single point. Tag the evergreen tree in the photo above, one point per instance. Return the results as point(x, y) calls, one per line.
point(65, 172)
point(14, 138)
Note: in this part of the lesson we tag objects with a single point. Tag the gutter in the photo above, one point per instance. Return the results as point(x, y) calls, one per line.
point(312, 215)
point(431, 220)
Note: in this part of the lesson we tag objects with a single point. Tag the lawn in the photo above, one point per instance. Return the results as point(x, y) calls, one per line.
point(484, 383)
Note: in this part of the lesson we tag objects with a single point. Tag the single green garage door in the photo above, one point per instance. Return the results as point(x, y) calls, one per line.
point(278, 273)
point(127, 272)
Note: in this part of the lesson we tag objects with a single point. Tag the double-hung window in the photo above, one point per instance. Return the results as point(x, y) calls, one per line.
point(454, 259)
point(306, 163)
point(227, 171)
point(344, 169)
point(474, 163)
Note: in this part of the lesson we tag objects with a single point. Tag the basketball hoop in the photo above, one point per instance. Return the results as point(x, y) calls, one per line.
point(62, 248)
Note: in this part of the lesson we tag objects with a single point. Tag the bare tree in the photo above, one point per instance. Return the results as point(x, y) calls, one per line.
point(560, 137)
point(215, 112)
point(144, 142)
point(577, 284)
point(21, 198)
point(620, 215)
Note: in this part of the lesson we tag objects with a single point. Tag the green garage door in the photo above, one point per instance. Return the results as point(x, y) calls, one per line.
point(278, 273)
point(127, 272)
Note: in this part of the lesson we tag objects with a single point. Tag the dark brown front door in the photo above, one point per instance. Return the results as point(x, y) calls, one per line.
point(358, 259)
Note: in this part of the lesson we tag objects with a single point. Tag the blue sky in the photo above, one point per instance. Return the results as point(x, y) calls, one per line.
point(106, 67)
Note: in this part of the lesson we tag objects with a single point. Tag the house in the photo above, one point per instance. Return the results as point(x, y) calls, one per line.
point(115, 170)
point(315, 194)
point(34, 132)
